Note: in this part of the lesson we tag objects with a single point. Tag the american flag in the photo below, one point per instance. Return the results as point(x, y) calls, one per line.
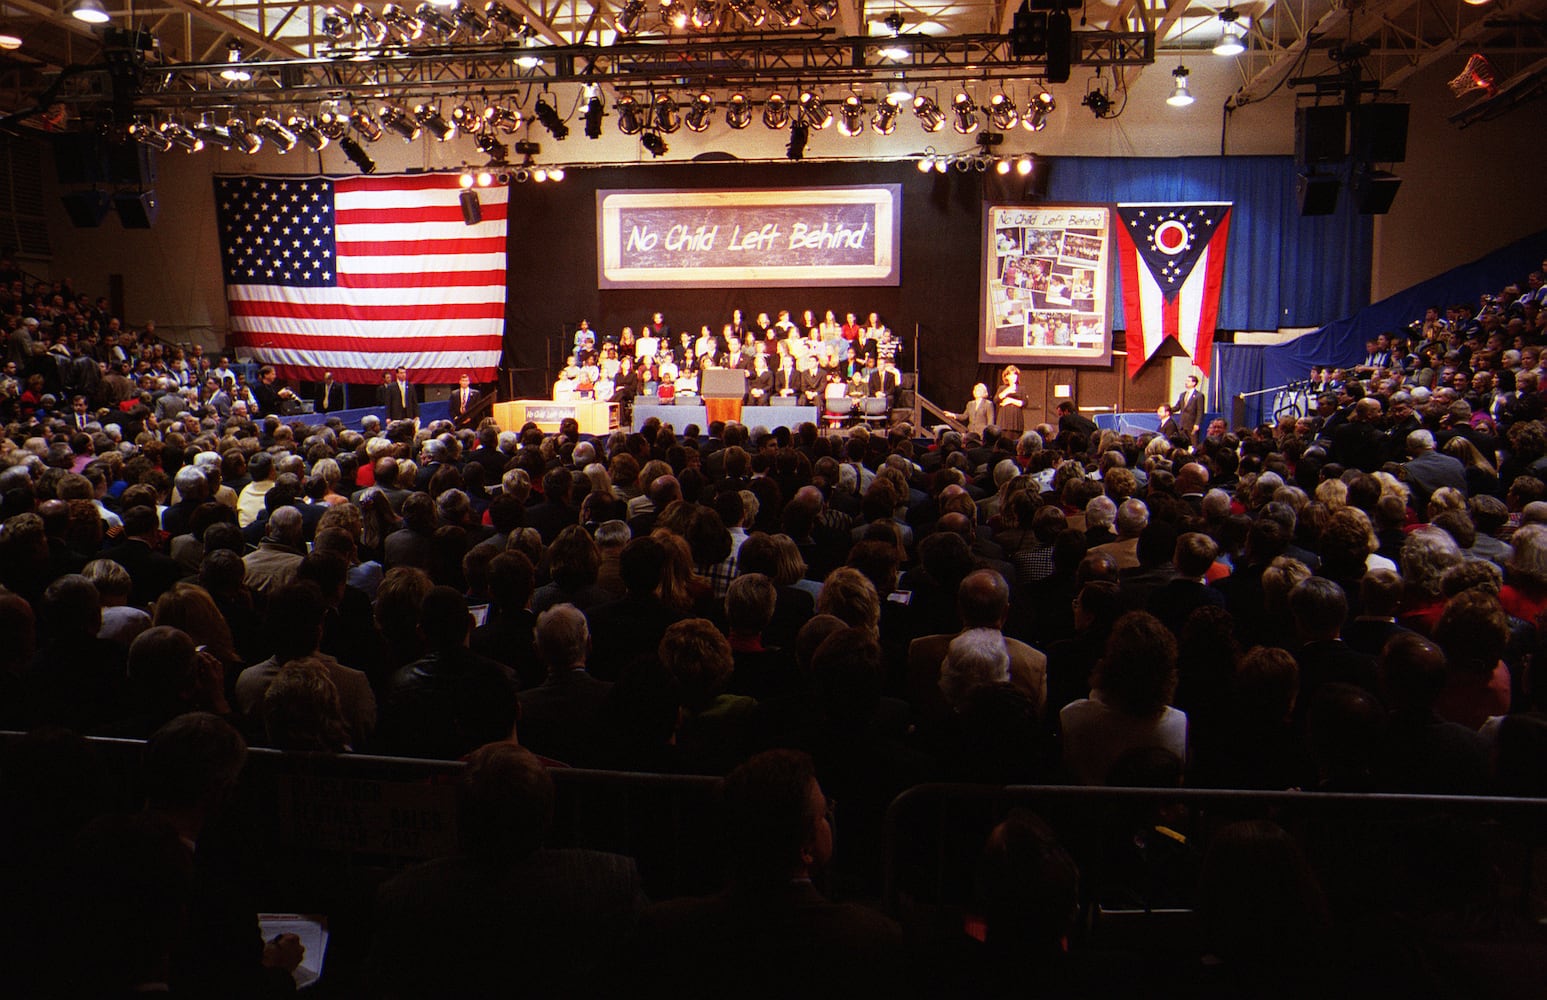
point(358, 275)
point(1172, 259)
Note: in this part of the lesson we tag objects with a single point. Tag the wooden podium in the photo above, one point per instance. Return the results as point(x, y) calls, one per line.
point(594, 418)
point(726, 410)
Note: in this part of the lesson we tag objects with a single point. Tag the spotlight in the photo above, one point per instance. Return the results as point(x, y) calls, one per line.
point(926, 164)
point(700, 114)
point(893, 23)
point(522, 175)
point(705, 14)
point(472, 210)
point(368, 25)
point(470, 18)
point(307, 132)
point(799, 133)
point(1002, 167)
point(278, 136)
point(663, 114)
point(181, 136)
point(776, 111)
point(1180, 95)
point(362, 122)
point(900, 93)
point(397, 119)
point(1232, 37)
point(1001, 112)
point(499, 14)
point(335, 25)
point(431, 17)
point(407, 27)
point(593, 117)
point(247, 141)
point(466, 119)
point(738, 112)
point(485, 178)
point(824, 10)
point(331, 121)
point(966, 114)
point(851, 116)
point(555, 174)
point(750, 13)
point(785, 10)
point(234, 71)
point(928, 113)
point(962, 164)
point(548, 117)
point(628, 18)
point(503, 117)
point(466, 180)
point(1042, 105)
point(1023, 165)
point(90, 11)
point(492, 147)
point(942, 164)
point(1098, 102)
point(10, 40)
point(144, 134)
point(629, 122)
point(539, 174)
point(529, 59)
point(212, 134)
point(884, 121)
point(812, 112)
point(654, 143)
point(430, 117)
point(357, 154)
point(674, 13)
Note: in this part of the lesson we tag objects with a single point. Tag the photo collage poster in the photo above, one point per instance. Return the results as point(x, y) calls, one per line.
point(1047, 280)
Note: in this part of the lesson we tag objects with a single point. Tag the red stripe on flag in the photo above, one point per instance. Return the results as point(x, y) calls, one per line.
point(1208, 316)
point(372, 376)
point(398, 182)
point(367, 314)
point(1170, 316)
point(259, 339)
point(425, 213)
point(415, 279)
point(1133, 311)
point(391, 248)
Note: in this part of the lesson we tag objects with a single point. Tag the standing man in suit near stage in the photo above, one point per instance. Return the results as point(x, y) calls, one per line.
point(1188, 410)
point(402, 400)
point(462, 403)
point(884, 382)
point(330, 395)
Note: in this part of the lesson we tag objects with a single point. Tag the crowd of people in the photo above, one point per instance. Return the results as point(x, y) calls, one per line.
point(1346, 601)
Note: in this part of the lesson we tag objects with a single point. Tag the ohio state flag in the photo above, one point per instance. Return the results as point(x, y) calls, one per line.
point(1172, 259)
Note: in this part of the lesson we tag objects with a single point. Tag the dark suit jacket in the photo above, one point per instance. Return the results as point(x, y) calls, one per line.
point(1431, 471)
point(1188, 412)
point(330, 397)
point(447, 704)
point(623, 629)
point(401, 403)
point(558, 717)
point(460, 410)
point(152, 572)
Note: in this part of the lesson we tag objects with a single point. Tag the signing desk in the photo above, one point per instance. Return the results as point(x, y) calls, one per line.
point(593, 417)
point(680, 414)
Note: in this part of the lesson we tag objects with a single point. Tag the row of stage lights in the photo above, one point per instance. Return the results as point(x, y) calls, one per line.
point(979, 162)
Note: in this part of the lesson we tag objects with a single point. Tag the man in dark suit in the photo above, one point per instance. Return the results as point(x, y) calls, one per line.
point(884, 382)
point(330, 395)
point(270, 397)
point(503, 913)
point(772, 934)
point(153, 572)
point(1070, 422)
point(637, 620)
point(1320, 608)
point(1189, 408)
point(1428, 470)
point(463, 400)
point(400, 398)
point(558, 717)
point(1188, 591)
point(1168, 428)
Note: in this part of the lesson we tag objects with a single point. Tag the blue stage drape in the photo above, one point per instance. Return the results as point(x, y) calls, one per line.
point(1237, 368)
point(1281, 270)
point(1342, 342)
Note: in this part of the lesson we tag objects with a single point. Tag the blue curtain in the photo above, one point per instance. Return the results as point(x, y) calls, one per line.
point(1237, 368)
point(1342, 343)
point(1281, 270)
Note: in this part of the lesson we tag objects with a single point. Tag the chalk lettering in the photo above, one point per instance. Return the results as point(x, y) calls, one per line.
point(640, 238)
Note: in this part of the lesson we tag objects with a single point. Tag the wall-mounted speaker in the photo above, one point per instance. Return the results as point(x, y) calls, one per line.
point(1321, 134)
point(1380, 132)
point(136, 209)
point(1375, 190)
point(87, 209)
point(1318, 193)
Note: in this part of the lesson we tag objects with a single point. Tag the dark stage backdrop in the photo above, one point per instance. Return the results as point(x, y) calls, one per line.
point(553, 274)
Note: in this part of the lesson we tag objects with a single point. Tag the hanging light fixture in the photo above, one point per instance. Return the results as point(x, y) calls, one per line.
point(357, 155)
point(628, 18)
point(491, 147)
point(471, 19)
point(368, 25)
point(10, 41)
point(851, 115)
point(307, 131)
point(547, 114)
point(664, 116)
point(1042, 105)
point(884, 121)
point(90, 11)
point(335, 25)
point(928, 113)
point(593, 112)
point(431, 17)
point(143, 133)
point(823, 10)
point(242, 137)
point(406, 26)
point(1181, 96)
point(503, 117)
point(331, 121)
point(812, 112)
point(700, 113)
point(749, 12)
point(213, 134)
point(234, 71)
point(1232, 37)
point(367, 127)
point(281, 138)
point(1001, 112)
point(738, 112)
point(504, 17)
point(430, 117)
point(705, 14)
point(674, 12)
point(180, 137)
point(785, 11)
point(776, 112)
point(965, 112)
point(396, 118)
point(629, 121)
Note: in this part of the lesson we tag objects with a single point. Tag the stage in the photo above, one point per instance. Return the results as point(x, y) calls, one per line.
point(679, 416)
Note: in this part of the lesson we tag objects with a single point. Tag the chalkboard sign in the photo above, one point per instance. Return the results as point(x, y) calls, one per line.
point(733, 238)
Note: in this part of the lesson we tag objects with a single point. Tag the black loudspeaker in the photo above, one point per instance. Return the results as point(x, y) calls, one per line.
point(136, 209)
point(1028, 33)
point(87, 209)
point(1060, 46)
point(1318, 193)
point(1320, 135)
point(1375, 190)
point(78, 158)
point(1380, 133)
point(131, 164)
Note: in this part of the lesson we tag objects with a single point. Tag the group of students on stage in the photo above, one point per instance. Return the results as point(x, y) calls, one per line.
point(782, 358)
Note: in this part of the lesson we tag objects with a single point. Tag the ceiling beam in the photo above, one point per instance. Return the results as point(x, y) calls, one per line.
point(1334, 22)
point(219, 22)
point(537, 23)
